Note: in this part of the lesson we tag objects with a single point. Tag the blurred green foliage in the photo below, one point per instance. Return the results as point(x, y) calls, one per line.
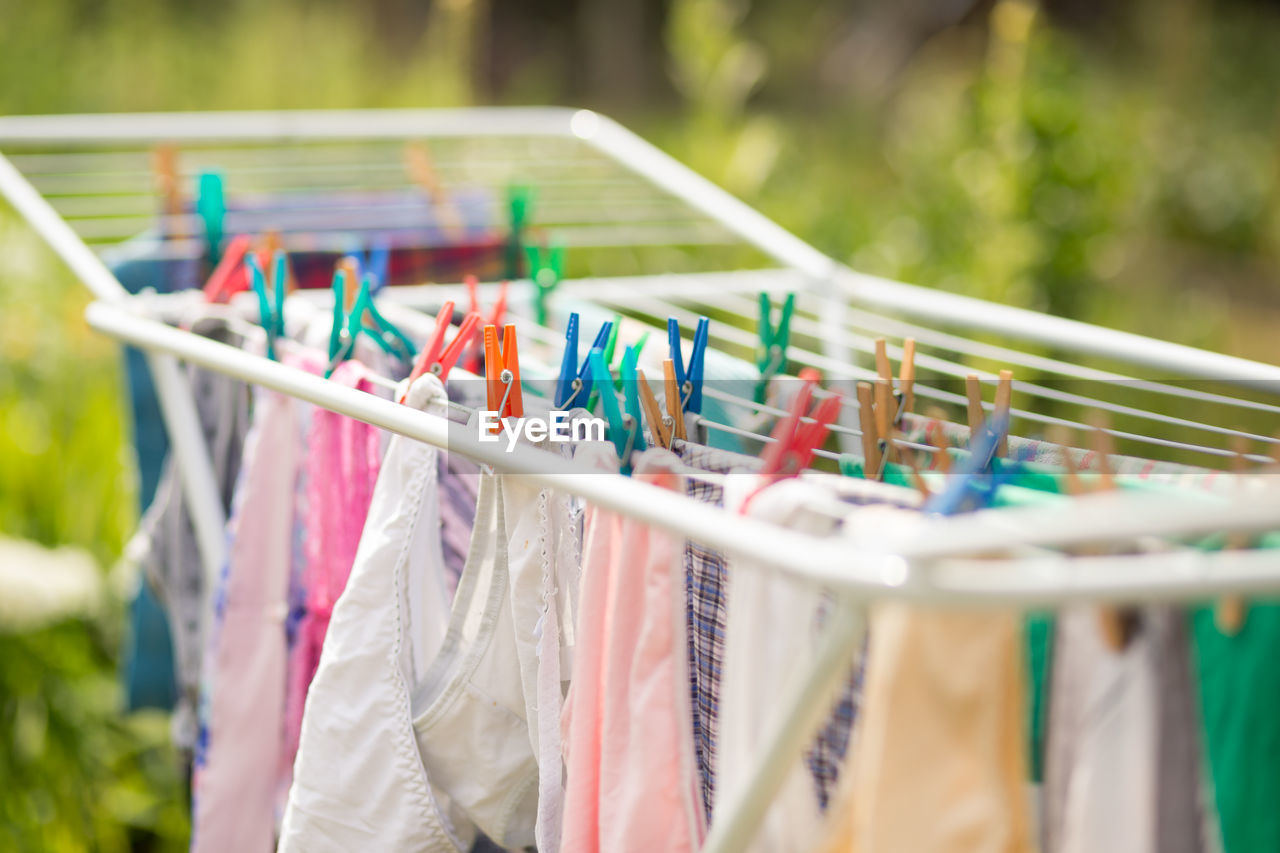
point(1125, 175)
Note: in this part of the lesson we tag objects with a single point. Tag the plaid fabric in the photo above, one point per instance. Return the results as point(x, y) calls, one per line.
point(706, 583)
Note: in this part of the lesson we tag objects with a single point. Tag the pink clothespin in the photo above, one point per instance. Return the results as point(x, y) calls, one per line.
point(475, 358)
point(229, 277)
point(438, 358)
point(795, 439)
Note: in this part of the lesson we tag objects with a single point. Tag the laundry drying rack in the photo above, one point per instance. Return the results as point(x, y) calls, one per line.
point(648, 239)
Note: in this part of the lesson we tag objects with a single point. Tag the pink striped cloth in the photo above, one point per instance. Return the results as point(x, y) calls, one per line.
point(342, 463)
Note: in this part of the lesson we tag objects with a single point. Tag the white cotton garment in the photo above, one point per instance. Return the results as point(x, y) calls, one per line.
point(469, 711)
point(359, 782)
point(771, 637)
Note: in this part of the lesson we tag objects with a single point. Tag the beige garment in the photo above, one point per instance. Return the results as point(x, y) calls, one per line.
point(938, 760)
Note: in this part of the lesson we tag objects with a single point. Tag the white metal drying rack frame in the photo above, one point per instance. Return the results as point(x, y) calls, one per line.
point(923, 567)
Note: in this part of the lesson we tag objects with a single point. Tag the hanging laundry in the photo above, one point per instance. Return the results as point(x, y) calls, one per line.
point(359, 781)
point(632, 782)
point(938, 760)
point(165, 546)
point(1122, 765)
point(342, 463)
point(1238, 699)
point(233, 787)
point(771, 636)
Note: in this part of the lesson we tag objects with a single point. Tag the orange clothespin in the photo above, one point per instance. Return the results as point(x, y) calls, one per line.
point(797, 439)
point(436, 357)
point(502, 372)
point(495, 318)
point(229, 276)
point(423, 173)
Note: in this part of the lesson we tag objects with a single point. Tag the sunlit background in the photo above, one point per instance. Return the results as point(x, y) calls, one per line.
point(1116, 162)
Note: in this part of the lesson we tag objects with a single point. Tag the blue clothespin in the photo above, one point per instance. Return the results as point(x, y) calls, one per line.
point(574, 383)
point(618, 431)
point(972, 484)
point(212, 206)
point(690, 381)
point(377, 262)
point(271, 316)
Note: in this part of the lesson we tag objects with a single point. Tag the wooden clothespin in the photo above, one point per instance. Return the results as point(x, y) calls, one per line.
point(884, 402)
point(422, 172)
point(502, 373)
point(907, 376)
point(1002, 407)
point(671, 393)
point(917, 479)
point(938, 438)
point(164, 162)
point(271, 244)
point(870, 437)
point(659, 424)
point(1113, 622)
point(437, 357)
point(1229, 614)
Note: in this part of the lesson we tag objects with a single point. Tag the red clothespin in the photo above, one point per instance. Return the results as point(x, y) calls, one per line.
point(499, 313)
point(229, 277)
point(435, 356)
point(796, 440)
point(502, 372)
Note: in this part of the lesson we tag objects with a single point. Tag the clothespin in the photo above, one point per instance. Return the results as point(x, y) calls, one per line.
point(771, 351)
point(575, 382)
point(872, 463)
point(937, 436)
point(271, 244)
point(917, 479)
point(211, 205)
point(230, 276)
point(796, 438)
point(423, 173)
point(973, 482)
point(659, 424)
point(164, 161)
point(438, 358)
point(671, 394)
point(1230, 611)
point(495, 318)
point(610, 348)
point(393, 341)
point(628, 374)
point(907, 377)
point(1003, 405)
point(502, 372)
point(377, 262)
point(519, 200)
point(623, 432)
point(885, 408)
point(638, 346)
point(546, 271)
point(690, 381)
point(270, 306)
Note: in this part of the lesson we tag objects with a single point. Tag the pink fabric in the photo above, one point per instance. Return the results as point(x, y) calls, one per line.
point(342, 464)
point(234, 787)
point(629, 742)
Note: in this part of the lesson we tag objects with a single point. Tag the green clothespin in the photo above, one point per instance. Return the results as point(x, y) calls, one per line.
point(621, 432)
point(771, 352)
point(212, 206)
point(546, 270)
point(266, 314)
point(339, 342)
point(519, 200)
point(638, 346)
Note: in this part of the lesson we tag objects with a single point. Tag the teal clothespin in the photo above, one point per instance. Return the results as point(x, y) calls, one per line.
point(266, 313)
point(771, 352)
point(519, 200)
point(546, 270)
point(631, 397)
point(616, 427)
point(212, 206)
point(340, 340)
point(393, 341)
point(280, 288)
